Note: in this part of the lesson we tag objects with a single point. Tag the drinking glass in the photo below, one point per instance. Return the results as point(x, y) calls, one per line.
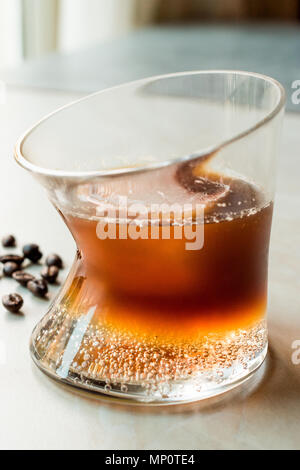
point(167, 187)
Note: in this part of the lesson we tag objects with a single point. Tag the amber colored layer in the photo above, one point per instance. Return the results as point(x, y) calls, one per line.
point(157, 287)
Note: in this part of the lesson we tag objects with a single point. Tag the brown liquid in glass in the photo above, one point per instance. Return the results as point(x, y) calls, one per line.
point(157, 289)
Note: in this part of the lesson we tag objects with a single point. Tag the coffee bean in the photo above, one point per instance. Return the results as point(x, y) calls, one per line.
point(38, 287)
point(8, 241)
point(32, 252)
point(22, 277)
point(9, 268)
point(54, 260)
point(12, 258)
point(12, 302)
point(50, 273)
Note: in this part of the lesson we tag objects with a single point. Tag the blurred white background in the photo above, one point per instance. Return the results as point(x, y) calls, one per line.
point(31, 28)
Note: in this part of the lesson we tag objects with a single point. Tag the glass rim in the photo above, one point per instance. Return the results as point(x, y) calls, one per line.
point(38, 170)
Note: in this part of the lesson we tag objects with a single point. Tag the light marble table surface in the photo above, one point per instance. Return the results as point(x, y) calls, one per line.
point(37, 413)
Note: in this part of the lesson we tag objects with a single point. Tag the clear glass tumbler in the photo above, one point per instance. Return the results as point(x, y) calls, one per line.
point(167, 187)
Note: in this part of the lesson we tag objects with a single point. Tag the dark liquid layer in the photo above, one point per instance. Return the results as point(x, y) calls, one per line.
point(158, 288)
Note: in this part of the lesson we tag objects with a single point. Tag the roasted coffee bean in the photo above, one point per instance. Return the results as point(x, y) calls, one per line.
point(9, 268)
point(54, 260)
point(12, 258)
point(22, 277)
point(8, 241)
point(32, 252)
point(50, 273)
point(38, 287)
point(12, 302)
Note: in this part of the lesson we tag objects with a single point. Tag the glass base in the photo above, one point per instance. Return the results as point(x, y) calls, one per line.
point(75, 351)
point(180, 392)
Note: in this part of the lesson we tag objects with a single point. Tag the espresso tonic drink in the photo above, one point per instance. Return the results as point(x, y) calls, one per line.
point(174, 290)
point(167, 187)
